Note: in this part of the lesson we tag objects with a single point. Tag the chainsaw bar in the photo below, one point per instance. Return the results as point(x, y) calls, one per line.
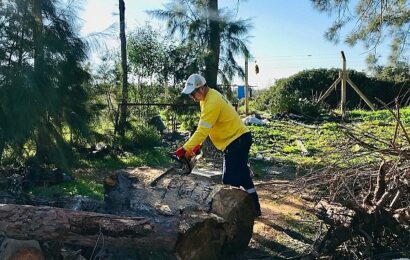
point(182, 166)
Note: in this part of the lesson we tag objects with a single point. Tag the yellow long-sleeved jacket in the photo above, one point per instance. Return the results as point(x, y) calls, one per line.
point(219, 120)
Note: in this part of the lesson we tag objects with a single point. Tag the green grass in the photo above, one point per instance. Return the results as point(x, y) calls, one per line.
point(89, 179)
point(279, 141)
point(380, 115)
point(327, 144)
point(82, 187)
point(151, 157)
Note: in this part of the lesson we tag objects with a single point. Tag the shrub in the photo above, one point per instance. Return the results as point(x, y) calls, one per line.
point(141, 137)
point(299, 92)
point(189, 122)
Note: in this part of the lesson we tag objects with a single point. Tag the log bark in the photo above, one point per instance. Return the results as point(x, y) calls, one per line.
point(185, 217)
point(83, 228)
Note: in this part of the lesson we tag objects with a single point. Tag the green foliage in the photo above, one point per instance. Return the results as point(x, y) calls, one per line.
point(141, 137)
point(154, 157)
point(189, 122)
point(191, 20)
point(146, 54)
point(298, 93)
point(326, 142)
point(384, 116)
point(82, 187)
point(42, 81)
point(400, 73)
point(374, 22)
point(154, 57)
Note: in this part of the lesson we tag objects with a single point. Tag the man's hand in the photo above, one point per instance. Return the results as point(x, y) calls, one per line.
point(180, 152)
point(193, 152)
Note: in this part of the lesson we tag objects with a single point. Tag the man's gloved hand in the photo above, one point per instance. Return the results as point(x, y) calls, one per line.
point(180, 152)
point(193, 152)
point(196, 149)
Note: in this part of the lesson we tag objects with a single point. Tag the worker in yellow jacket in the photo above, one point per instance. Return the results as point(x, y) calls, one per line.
point(228, 133)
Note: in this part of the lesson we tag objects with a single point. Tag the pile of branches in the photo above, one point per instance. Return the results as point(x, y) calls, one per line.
point(366, 207)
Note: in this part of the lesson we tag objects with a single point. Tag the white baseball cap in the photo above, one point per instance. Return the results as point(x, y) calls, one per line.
point(194, 81)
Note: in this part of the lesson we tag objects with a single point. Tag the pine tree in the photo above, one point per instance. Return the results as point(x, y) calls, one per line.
point(42, 79)
point(375, 21)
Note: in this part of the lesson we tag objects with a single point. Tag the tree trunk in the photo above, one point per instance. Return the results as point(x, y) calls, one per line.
point(214, 44)
point(83, 228)
point(42, 139)
point(185, 217)
point(124, 100)
point(2, 146)
point(37, 35)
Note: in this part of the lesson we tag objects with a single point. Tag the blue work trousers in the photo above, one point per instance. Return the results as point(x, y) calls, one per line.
point(235, 167)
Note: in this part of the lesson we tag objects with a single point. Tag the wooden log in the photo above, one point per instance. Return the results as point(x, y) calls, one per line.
point(82, 228)
point(12, 249)
point(184, 217)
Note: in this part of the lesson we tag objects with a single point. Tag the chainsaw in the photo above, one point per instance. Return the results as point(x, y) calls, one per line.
point(182, 165)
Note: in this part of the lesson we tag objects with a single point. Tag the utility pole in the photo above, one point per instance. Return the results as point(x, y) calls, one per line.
point(246, 85)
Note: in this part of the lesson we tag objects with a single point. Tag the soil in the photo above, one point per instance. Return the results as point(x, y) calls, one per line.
point(288, 226)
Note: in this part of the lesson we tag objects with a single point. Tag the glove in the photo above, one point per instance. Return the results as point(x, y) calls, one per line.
point(180, 152)
point(193, 152)
point(196, 149)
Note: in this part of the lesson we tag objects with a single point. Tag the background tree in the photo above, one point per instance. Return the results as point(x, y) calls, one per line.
point(217, 34)
point(147, 54)
point(42, 80)
point(374, 20)
point(155, 58)
point(214, 43)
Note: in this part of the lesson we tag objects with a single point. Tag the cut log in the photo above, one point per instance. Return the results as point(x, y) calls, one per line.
point(185, 217)
point(12, 249)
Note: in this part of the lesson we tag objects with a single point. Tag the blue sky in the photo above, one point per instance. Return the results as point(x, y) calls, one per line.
point(287, 35)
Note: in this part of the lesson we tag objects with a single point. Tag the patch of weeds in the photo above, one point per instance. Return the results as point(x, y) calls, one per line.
point(82, 187)
point(326, 144)
point(381, 115)
point(259, 167)
point(304, 224)
point(149, 157)
point(291, 149)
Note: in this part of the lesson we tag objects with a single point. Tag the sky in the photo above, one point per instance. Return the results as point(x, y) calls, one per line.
point(287, 35)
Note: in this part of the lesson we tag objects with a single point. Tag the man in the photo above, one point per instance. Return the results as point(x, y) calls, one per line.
point(227, 132)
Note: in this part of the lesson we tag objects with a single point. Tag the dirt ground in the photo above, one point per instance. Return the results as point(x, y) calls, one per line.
point(287, 227)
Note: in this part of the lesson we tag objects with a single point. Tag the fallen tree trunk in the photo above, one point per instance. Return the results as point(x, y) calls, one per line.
point(188, 219)
point(83, 228)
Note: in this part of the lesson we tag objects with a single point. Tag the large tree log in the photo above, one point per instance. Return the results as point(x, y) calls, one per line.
point(186, 217)
point(83, 228)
